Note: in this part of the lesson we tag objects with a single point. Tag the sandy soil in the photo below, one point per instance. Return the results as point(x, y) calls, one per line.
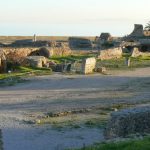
point(58, 93)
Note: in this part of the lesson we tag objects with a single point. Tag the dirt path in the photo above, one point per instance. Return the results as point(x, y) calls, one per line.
point(58, 93)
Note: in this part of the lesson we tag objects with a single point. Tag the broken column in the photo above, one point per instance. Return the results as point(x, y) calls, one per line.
point(88, 65)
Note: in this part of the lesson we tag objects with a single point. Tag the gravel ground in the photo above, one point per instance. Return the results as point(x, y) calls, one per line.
point(58, 93)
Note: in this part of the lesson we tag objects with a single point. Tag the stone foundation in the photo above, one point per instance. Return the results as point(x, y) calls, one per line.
point(113, 53)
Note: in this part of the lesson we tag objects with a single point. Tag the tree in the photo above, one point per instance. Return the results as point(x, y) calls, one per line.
point(147, 27)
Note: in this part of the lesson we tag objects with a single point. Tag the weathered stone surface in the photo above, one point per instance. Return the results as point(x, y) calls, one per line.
point(35, 61)
point(24, 51)
point(88, 65)
point(41, 52)
point(128, 121)
point(112, 53)
point(137, 53)
point(104, 41)
point(2, 61)
point(54, 50)
point(60, 49)
point(138, 31)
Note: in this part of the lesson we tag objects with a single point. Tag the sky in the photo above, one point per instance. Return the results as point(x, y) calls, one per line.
point(72, 17)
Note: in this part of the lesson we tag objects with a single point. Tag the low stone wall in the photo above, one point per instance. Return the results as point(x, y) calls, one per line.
point(26, 51)
point(35, 61)
point(128, 121)
point(88, 65)
point(62, 50)
point(137, 53)
point(113, 53)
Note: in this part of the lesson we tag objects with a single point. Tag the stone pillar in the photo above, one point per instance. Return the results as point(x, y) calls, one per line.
point(88, 65)
point(34, 38)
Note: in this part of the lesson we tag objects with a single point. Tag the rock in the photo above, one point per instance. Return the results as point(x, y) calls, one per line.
point(128, 121)
point(88, 65)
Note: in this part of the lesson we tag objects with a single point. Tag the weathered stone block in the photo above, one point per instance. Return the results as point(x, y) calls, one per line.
point(128, 121)
point(88, 65)
point(35, 61)
point(113, 53)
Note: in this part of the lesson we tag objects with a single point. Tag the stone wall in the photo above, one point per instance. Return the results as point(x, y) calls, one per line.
point(137, 53)
point(128, 121)
point(62, 50)
point(35, 61)
point(88, 65)
point(113, 53)
point(2, 61)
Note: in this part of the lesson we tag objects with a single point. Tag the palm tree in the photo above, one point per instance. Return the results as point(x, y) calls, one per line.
point(147, 27)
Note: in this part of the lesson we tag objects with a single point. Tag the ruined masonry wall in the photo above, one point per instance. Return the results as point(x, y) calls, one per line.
point(113, 53)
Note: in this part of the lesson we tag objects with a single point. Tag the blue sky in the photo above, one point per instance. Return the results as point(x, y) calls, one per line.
point(72, 17)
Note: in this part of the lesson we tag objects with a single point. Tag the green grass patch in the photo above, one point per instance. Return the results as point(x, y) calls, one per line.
point(9, 79)
point(71, 58)
point(119, 64)
point(143, 144)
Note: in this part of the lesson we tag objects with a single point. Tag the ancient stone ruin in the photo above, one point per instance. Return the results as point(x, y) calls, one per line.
point(104, 41)
point(104, 37)
point(128, 121)
point(113, 53)
point(88, 65)
point(35, 61)
point(41, 52)
point(136, 53)
point(3, 62)
point(60, 49)
point(80, 43)
point(138, 31)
